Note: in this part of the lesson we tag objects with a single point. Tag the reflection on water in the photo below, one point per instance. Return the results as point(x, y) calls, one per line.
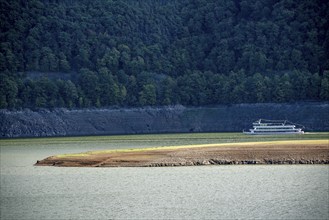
point(213, 192)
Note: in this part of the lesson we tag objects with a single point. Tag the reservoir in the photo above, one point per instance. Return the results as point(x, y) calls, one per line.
point(197, 192)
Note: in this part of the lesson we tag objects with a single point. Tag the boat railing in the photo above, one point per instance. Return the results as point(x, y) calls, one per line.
point(267, 122)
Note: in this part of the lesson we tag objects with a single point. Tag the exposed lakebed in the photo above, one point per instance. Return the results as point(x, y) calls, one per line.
point(167, 119)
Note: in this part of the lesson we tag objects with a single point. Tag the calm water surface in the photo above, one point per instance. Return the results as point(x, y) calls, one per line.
point(205, 192)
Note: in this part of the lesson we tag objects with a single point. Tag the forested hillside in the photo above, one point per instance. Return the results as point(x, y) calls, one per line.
point(96, 53)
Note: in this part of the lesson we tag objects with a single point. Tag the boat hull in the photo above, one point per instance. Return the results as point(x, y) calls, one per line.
point(276, 127)
point(272, 133)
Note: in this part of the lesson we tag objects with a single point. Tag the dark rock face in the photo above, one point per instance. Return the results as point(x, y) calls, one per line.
point(234, 162)
point(223, 118)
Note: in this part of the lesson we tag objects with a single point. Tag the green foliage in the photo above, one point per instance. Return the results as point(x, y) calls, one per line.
point(8, 92)
point(148, 95)
point(324, 92)
point(144, 52)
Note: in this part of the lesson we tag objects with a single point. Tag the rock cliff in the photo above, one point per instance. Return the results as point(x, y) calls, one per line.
point(170, 119)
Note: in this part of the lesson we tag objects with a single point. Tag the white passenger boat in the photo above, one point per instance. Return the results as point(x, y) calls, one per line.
point(268, 127)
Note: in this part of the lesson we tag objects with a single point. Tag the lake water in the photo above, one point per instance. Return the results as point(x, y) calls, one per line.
point(204, 192)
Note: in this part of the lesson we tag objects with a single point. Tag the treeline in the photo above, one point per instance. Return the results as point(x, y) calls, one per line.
point(164, 52)
point(97, 89)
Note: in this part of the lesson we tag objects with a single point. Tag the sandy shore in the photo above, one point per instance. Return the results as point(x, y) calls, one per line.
point(276, 152)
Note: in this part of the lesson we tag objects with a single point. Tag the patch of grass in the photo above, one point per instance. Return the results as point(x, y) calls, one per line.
point(162, 139)
point(122, 143)
point(270, 143)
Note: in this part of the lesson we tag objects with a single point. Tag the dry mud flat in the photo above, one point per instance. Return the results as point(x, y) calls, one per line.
point(275, 152)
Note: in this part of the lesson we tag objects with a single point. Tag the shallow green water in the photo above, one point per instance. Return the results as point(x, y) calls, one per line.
point(206, 192)
point(154, 140)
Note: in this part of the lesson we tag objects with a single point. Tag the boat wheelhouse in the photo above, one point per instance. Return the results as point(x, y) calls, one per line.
point(263, 126)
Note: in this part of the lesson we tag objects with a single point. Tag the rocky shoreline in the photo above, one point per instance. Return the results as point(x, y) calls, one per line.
point(168, 119)
point(278, 152)
point(210, 162)
point(243, 162)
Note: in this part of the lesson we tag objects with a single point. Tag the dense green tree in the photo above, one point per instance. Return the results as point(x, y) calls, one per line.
point(166, 94)
point(106, 84)
point(283, 88)
point(63, 64)
point(48, 61)
point(300, 84)
point(132, 91)
point(314, 86)
point(257, 88)
point(148, 95)
point(68, 92)
point(88, 81)
point(324, 92)
point(8, 91)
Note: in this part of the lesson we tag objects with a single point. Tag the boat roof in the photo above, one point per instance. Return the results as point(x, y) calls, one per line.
point(267, 122)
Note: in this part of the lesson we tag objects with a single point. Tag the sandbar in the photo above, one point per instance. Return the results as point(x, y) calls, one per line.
point(271, 152)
